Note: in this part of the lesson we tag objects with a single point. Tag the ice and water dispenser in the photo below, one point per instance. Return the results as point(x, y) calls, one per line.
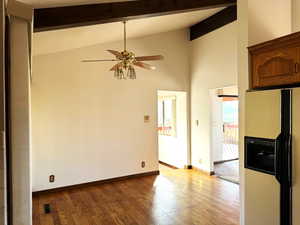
point(260, 154)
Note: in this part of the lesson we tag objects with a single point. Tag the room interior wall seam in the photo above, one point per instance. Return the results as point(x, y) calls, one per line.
point(242, 87)
point(189, 109)
point(3, 170)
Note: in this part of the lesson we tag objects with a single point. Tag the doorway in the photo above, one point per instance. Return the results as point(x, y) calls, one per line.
point(172, 128)
point(225, 133)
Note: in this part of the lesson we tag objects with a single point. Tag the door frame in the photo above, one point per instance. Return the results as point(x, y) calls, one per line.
point(212, 92)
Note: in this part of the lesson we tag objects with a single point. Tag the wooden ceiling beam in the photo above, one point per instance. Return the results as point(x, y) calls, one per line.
point(214, 22)
point(46, 19)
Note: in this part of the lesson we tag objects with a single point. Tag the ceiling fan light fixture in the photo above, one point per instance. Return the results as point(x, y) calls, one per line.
point(119, 74)
point(131, 74)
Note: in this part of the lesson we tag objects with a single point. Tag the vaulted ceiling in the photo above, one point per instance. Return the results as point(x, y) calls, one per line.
point(66, 39)
point(56, 3)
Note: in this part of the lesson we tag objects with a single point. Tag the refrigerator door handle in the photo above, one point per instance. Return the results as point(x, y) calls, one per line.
point(277, 163)
point(289, 163)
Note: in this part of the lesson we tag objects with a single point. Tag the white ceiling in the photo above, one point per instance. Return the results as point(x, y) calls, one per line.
point(72, 38)
point(56, 3)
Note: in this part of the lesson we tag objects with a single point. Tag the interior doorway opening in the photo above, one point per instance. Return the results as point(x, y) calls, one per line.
point(172, 128)
point(225, 133)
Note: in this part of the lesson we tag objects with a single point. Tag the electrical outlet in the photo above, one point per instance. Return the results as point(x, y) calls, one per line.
point(143, 164)
point(51, 178)
point(200, 161)
point(146, 119)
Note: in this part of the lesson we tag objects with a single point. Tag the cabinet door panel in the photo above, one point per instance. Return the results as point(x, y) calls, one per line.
point(275, 68)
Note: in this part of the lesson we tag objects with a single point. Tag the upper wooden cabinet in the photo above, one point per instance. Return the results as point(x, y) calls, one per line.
point(275, 63)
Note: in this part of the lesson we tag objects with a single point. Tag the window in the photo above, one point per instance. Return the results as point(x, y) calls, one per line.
point(167, 115)
point(230, 120)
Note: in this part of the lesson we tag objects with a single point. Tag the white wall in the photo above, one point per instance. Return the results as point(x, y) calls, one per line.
point(269, 19)
point(87, 125)
point(296, 15)
point(173, 150)
point(213, 65)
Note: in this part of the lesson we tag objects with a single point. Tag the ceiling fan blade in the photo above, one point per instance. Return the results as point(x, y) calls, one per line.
point(149, 58)
point(144, 65)
point(116, 66)
point(116, 53)
point(99, 60)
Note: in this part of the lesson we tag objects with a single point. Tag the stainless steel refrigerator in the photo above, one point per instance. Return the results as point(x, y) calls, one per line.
point(272, 157)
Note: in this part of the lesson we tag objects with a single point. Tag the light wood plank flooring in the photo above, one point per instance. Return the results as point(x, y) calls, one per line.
point(176, 197)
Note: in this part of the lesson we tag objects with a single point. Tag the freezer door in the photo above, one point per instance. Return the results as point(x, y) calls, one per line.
point(262, 191)
point(296, 155)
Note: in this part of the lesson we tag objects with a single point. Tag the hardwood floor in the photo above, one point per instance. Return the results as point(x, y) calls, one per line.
point(176, 197)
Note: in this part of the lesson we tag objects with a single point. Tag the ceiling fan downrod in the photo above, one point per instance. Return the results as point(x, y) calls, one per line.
point(125, 36)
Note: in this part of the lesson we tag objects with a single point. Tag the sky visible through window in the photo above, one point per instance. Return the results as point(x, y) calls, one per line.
point(230, 112)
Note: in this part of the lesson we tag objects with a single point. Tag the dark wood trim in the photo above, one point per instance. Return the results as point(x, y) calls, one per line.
point(66, 188)
point(211, 173)
point(228, 96)
point(274, 87)
point(9, 185)
point(220, 19)
point(83, 15)
point(168, 165)
point(188, 167)
point(224, 161)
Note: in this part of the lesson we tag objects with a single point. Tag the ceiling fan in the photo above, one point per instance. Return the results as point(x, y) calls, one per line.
point(126, 61)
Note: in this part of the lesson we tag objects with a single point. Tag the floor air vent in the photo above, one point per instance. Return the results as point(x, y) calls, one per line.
point(47, 208)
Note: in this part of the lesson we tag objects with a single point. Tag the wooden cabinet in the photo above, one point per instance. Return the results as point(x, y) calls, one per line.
point(275, 63)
